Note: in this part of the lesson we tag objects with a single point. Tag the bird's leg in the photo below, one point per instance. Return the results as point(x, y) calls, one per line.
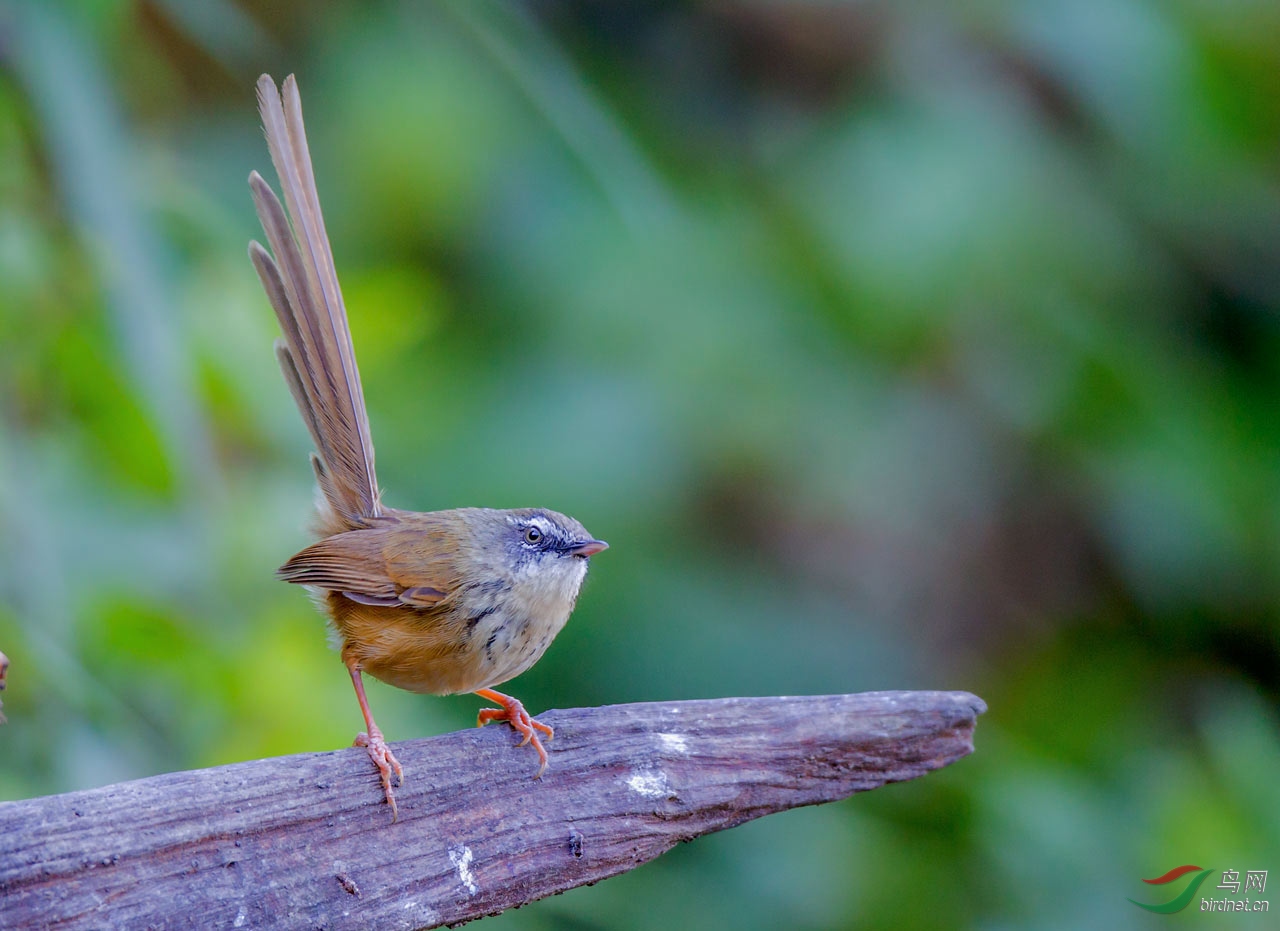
point(512, 711)
point(376, 744)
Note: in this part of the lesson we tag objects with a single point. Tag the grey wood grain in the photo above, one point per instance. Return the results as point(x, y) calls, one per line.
point(306, 841)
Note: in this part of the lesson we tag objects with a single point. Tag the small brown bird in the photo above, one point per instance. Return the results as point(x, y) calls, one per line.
point(442, 602)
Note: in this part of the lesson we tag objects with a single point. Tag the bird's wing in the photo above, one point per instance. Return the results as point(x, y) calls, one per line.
point(362, 565)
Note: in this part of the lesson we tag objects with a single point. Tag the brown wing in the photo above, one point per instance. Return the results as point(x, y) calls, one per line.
point(316, 354)
point(382, 566)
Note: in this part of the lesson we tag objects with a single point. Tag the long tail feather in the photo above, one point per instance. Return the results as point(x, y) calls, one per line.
point(316, 355)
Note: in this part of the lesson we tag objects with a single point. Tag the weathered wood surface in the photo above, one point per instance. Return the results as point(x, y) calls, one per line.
point(306, 841)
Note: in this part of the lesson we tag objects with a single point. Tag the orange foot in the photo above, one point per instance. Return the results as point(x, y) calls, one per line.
point(386, 762)
point(513, 711)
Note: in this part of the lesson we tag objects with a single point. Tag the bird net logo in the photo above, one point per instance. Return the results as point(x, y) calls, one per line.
point(1237, 893)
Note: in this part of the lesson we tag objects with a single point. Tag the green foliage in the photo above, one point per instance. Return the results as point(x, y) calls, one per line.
point(889, 348)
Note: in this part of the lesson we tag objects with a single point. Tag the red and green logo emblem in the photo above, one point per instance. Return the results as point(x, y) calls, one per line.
point(1183, 898)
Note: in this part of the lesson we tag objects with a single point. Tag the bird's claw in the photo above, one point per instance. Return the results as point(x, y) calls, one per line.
point(386, 762)
point(514, 713)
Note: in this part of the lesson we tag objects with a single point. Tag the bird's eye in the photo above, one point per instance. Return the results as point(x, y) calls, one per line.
point(532, 536)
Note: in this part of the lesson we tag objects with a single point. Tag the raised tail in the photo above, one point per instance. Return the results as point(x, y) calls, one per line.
point(316, 354)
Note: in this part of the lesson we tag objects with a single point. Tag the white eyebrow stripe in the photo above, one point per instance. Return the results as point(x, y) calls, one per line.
point(549, 528)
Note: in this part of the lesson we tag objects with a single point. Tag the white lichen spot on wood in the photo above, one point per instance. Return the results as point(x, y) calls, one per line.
point(240, 918)
point(418, 915)
point(674, 743)
point(461, 858)
point(650, 783)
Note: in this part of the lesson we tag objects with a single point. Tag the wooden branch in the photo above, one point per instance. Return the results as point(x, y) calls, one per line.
point(306, 840)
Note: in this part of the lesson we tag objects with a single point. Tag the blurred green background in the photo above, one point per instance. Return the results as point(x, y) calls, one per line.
point(889, 345)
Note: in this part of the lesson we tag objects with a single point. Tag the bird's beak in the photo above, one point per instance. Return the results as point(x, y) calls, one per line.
point(588, 548)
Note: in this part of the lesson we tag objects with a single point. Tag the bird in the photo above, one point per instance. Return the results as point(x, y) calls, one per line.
point(442, 602)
